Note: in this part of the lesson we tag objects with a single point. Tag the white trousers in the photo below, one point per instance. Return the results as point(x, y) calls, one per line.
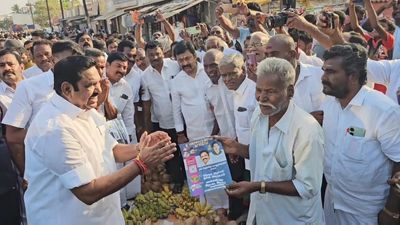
point(338, 217)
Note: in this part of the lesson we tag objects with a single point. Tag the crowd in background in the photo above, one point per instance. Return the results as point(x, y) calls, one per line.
point(306, 106)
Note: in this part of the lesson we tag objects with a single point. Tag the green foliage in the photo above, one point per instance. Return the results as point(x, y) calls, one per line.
point(16, 9)
point(6, 23)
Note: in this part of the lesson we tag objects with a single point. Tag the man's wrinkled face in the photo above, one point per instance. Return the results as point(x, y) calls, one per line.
point(43, 57)
point(116, 70)
point(10, 70)
point(232, 76)
point(272, 95)
point(188, 62)
point(85, 94)
point(211, 68)
point(258, 47)
point(335, 80)
point(156, 57)
point(85, 41)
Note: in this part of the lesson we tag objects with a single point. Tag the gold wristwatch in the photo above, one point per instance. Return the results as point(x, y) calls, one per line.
point(263, 189)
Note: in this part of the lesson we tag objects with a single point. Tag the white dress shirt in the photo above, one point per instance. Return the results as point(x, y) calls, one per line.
point(28, 99)
point(221, 100)
point(122, 98)
point(157, 88)
point(32, 72)
point(357, 167)
point(396, 48)
point(134, 78)
point(244, 103)
point(308, 93)
point(190, 106)
point(6, 96)
point(385, 72)
point(291, 150)
point(310, 59)
point(67, 147)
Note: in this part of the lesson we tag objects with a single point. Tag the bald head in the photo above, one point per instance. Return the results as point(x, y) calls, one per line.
point(211, 61)
point(282, 46)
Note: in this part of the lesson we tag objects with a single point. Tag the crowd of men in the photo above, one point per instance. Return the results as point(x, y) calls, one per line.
point(307, 140)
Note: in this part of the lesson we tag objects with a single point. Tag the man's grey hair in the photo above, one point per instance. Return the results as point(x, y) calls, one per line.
point(235, 60)
point(220, 42)
point(260, 35)
point(288, 40)
point(276, 66)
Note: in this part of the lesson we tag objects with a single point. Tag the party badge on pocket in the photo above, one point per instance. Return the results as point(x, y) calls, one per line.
point(356, 131)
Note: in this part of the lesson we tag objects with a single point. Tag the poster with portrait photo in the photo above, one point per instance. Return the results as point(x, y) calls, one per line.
point(206, 166)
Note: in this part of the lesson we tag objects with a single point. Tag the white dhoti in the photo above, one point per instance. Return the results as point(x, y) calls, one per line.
point(339, 217)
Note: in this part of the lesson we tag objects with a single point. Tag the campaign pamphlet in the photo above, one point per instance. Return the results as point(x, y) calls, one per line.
point(117, 129)
point(206, 166)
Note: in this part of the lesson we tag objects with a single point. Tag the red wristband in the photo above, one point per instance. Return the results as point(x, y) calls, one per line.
point(142, 166)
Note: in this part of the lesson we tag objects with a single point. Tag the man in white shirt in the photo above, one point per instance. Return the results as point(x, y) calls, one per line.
point(286, 153)
point(243, 90)
point(110, 112)
point(29, 96)
point(219, 96)
point(120, 92)
point(157, 102)
point(71, 162)
point(221, 101)
point(189, 103)
point(134, 78)
point(42, 57)
point(214, 42)
point(386, 72)
point(11, 68)
point(362, 141)
point(308, 88)
point(128, 48)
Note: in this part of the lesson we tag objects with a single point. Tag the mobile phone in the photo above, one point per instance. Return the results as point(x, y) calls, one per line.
point(230, 8)
point(149, 19)
point(330, 20)
point(251, 59)
point(193, 30)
